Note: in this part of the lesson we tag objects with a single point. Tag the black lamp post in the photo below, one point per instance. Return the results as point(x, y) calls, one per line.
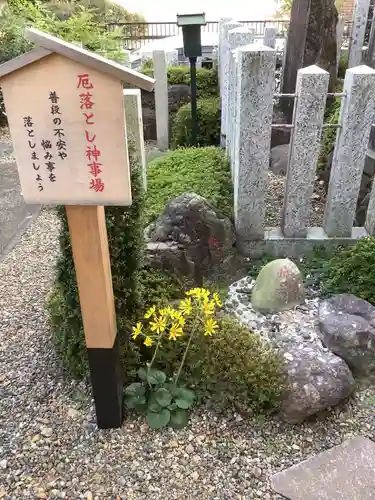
point(191, 32)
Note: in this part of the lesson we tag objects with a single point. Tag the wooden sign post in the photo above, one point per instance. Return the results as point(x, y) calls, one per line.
point(66, 117)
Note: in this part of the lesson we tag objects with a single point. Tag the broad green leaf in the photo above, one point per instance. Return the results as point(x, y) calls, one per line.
point(154, 407)
point(135, 402)
point(184, 398)
point(163, 397)
point(179, 419)
point(155, 377)
point(158, 420)
point(135, 389)
point(172, 407)
point(142, 374)
point(140, 406)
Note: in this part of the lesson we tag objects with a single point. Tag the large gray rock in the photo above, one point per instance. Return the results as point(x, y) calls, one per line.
point(347, 328)
point(345, 472)
point(278, 287)
point(316, 380)
point(191, 238)
point(279, 159)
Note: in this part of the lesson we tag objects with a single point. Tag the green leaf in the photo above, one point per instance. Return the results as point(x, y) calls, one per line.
point(163, 397)
point(172, 407)
point(179, 419)
point(140, 406)
point(142, 374)
point(154, 408)
point(135, 396)
point(184, 398)
point(158, 420)
point(135, 389)
point(155, 377)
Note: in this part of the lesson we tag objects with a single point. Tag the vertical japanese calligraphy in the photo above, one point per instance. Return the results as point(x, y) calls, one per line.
point(59, 137)
point(92, 152)
point(28, 124)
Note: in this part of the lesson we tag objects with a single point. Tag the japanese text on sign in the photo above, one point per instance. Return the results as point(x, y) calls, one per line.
point(92, 152)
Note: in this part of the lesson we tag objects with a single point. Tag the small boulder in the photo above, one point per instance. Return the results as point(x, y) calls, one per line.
point(316, 380)
point(191, 239)
point(279, 159)
point(278, 287)
point(347, 328)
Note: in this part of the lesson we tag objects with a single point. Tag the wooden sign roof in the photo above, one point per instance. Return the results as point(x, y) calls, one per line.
point(48, 44)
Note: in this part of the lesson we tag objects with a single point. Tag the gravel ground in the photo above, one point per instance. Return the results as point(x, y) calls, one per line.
point(49, 445)
point(6, 153)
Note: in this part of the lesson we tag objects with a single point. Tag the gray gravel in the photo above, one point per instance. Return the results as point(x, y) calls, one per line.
point(49, 445)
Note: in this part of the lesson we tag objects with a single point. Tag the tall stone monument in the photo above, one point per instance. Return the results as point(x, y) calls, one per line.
point(311, 41)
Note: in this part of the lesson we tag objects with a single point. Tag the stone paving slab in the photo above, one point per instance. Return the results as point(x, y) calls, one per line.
point(15, 215)
point(345, 472)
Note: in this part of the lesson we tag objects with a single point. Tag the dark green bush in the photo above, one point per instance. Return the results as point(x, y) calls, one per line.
point(232, 367)
point(343, 65)
point(125, 237)
point(352, 270)
point(204, 171)
point(207, 80)
point(329, 134)
point(208, 116)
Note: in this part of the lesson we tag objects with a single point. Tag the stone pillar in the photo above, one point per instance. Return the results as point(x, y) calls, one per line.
point(371, 44)
point(237, 37)
point(161, 99)
point(215, 58)
point(269, 39)
point(356, 115)
point(224, 83)
point(255, 89)
point(172, 57)
point(311, 40)
point(311, 90)
point(360, 16)
point(339, 37)
point(134, 128)
point(222, 21)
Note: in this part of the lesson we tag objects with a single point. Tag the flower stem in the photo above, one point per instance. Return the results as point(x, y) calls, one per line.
point(186, 351)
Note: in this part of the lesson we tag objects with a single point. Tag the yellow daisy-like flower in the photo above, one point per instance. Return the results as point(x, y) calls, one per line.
point(217, 300)
point(159, 324)
point(198, 293)
point(148, 341)
point(208, 307)
point(186, 306)
point(210, 326)
point(175, 331)
point(150, 312)
point(137, 330)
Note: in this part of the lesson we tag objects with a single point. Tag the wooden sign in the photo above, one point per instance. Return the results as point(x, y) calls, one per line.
point(68, 129)
point(66, 115)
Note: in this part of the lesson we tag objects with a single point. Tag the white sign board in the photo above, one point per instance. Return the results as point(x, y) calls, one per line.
point(68, 129)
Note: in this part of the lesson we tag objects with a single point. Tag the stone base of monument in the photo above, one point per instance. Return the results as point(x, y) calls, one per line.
point(345, 472)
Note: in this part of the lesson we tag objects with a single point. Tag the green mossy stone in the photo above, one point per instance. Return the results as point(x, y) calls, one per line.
point(278, 287)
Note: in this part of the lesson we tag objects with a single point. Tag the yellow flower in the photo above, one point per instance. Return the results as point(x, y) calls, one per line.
point(217, 300)
point(208, 307)
point(210, 326)
point(177, 316)
point(150, 312)
point(159, 324)
point(186, 306)
point(198, 293)
point(175, 331)
point(137, 330)
point(148, 341)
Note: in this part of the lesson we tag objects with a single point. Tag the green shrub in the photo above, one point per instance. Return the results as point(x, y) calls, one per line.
point(232, 367)
point(207, 79)
point(352, 270)
point(343, 65)
point(208, 117)
point(329, 134)
point(204, 171)
point(125, 237)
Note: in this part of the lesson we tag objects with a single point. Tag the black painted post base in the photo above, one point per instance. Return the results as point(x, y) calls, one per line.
point(106, 380)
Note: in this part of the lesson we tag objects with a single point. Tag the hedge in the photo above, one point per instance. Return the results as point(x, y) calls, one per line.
point(204, 171)
point(208, 117)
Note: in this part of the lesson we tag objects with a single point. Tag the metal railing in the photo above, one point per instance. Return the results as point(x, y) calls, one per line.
point(135, 35)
